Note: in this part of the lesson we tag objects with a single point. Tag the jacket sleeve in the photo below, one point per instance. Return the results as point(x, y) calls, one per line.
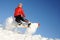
point(23, 13)
point(16, 12)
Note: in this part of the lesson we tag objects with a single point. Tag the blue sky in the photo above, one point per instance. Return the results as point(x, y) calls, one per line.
point(46, 12)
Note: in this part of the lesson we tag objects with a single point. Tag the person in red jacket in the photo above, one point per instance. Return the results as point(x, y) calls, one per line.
point(19, 14)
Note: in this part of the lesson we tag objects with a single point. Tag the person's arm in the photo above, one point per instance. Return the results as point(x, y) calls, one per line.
point(16, 12)
point(23, 13)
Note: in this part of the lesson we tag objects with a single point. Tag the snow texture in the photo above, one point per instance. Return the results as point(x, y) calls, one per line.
point(8, 33)
point(11, 24)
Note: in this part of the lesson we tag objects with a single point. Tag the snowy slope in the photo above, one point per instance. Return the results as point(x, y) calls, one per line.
point(10, 35)
point(7, 32)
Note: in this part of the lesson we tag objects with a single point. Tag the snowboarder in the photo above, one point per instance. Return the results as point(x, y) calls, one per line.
point(19, 15)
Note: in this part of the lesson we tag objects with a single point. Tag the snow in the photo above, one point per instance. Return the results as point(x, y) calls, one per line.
point(11, 24)
point(10, 35)
point(10, 32)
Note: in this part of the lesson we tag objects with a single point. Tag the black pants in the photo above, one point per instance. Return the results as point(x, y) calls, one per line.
point(18, 19)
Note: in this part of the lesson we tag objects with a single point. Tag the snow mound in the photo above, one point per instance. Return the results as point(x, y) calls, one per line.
point(11, 24)
point(10, 32)
point(10, 35)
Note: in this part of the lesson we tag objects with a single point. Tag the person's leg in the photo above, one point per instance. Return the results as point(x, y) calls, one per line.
point(25, 20)
point(17, 19)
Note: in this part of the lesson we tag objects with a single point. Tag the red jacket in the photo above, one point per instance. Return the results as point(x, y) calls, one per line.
point(19, 11)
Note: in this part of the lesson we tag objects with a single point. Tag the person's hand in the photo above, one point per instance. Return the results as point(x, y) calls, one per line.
point(22, 16)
